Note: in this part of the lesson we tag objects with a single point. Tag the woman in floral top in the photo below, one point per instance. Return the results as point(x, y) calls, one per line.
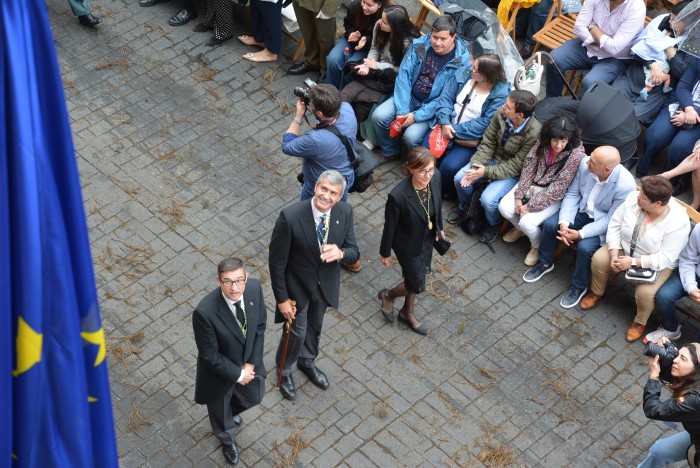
point(548, 169)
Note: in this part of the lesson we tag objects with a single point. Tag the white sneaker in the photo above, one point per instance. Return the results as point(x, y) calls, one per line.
point(368, 144)
point(513, 235)
point(656, 336)
point(533, 256)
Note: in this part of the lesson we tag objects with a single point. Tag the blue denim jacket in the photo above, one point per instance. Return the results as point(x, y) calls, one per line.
point(473, 129)
point(409, 70)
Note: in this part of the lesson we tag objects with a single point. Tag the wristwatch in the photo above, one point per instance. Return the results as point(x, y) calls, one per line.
point(591, 26)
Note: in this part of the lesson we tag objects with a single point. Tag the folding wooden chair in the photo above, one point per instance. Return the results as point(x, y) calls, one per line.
point(426, 7)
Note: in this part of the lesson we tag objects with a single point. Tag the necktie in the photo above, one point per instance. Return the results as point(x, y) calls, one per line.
point(240, 315)
point(322, 229)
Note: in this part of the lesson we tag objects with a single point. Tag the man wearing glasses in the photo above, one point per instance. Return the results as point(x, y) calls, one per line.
point(229, 329)
point(310, 240)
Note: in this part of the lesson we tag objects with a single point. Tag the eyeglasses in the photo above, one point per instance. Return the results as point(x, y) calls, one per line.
point(425, 172)
point(228, 283)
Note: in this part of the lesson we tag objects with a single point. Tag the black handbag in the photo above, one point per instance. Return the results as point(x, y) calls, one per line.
point(441, 245)
point(362, 160)
point(637, 274)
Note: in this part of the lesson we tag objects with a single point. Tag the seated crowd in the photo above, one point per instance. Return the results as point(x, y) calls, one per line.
point(411, 90)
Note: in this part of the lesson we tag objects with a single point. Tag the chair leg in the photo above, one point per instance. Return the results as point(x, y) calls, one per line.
point(560, 247)
point(298, 52)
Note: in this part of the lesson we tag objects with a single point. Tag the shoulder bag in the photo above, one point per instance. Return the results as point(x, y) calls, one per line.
point(637, 274)
point(362, 160)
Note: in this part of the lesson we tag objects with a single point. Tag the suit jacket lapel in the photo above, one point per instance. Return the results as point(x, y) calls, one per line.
point(251, 310)
point(414, 201)
point(308, 227)
point(226, 316)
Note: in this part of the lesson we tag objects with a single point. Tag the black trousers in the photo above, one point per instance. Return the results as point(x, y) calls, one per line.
point(238, 399)
point(266, 21)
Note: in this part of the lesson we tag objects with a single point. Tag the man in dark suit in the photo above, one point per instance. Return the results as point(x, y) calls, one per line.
point(229, 329)
point(309, 242)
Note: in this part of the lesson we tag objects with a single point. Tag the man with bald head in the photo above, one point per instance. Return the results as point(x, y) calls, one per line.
point(600, 186)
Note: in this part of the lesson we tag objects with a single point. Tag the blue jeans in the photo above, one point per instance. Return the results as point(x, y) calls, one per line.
point(585, 248)
point(668, 450)
point(307, 189)
point(382, 118)
point(336, 60)
point(572, 56)
point(662, 133)
point(496, 190)
point(666, 298)
point(454, 159)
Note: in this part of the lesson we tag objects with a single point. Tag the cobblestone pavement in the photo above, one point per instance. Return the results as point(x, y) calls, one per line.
point(178, 148)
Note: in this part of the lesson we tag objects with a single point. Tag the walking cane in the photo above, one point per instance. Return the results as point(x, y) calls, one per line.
point(288, 331)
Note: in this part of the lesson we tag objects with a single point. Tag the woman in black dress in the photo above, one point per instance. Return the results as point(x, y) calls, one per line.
point(412, 220)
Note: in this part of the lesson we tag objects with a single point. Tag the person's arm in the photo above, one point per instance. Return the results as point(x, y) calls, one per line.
point(402, 88)
point(392, 214)
point(689, 260)
point(614, 42)
point(684, 89)
point(446, 101)
point(678, 62)
point(570, 203)
point(489, 142)
point(208, 347)
point(373, 53)
point(349, 20)
point(259, 337)
point(351, 251)
point(584, 18)
point(474, 129)
point(673, 409)
point(329, 10)
point(280, 246)
point(614, 233)
point(600, 226)
point(674, 239)
point(528, 172)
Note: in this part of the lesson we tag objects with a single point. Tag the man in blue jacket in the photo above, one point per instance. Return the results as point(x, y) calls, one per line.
point(600, 186)
point(424, 70)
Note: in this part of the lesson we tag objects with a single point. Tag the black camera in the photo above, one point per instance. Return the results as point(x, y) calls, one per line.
point(302, 93)
point(667, 353)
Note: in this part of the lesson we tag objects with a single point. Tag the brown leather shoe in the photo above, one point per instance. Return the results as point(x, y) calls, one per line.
point(353, 267)
point(590, 300)
point(635, 332)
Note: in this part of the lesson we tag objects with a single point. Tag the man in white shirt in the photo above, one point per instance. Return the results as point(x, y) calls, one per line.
point(600, 186)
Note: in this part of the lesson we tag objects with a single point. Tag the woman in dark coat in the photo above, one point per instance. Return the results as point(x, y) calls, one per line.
point(412, 220)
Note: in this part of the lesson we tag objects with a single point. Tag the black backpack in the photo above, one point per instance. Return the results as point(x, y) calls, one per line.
point(474, 219)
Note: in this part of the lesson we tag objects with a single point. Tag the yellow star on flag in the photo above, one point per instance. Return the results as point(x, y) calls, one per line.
point(28, 347)
point(97, 338)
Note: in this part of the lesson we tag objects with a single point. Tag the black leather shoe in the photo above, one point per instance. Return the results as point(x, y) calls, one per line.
point(150, 3)
point(202, 27)
point(316, 376)
point(237, 420)
point(89, 20)
point(300, 68)
point(183, 17)
point(321, 78)
point(287, 388)
point(231, 453)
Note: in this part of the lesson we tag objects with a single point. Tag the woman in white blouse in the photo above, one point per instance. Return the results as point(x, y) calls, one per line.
point(663, 227)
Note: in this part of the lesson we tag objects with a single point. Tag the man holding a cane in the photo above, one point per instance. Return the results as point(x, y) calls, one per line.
point(310, 240)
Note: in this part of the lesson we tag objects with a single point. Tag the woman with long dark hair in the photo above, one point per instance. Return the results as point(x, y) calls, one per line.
point(375, 77)
point(683, 407)
point(412, 220)
point(547, 172)
point(465, 108)
point(359, 24)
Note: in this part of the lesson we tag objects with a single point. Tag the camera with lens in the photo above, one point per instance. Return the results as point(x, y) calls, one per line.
point(302, 93)
point(667, 353)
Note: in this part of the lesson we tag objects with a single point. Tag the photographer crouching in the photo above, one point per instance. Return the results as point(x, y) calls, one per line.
point(680, 368)
point(319, 148)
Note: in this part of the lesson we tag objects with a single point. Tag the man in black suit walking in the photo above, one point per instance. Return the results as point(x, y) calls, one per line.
point(310, 241)
point(229, 329)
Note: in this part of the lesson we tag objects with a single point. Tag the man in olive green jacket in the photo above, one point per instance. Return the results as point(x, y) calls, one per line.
point(507, 140)
point(316, 20)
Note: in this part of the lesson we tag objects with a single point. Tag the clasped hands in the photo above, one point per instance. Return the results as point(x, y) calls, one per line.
point(567, 235)
point(687, 116)
point(476, 172)
point(619, 263)
point(247, 374)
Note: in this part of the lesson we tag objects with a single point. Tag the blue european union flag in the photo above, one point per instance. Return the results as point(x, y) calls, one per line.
point(55, 407)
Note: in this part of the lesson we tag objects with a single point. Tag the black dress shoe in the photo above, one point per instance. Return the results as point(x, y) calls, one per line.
point(231, 453)
point(316, 376)
point(150, 3)
point(287, 388)
point(183, 17)
point(215, 41)
point(321, 78)
point(300, 68)
point(89, 20)
point(237, 420)
point(526, 51)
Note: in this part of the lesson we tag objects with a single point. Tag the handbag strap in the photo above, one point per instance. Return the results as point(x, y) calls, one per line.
point(635, 232)
point(354, 162)
point(466, 101)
